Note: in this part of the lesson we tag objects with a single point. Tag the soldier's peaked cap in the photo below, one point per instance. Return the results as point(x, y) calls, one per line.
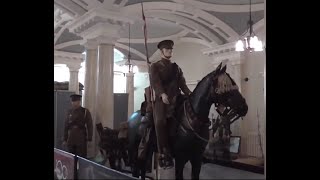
point(75, 97)
point(168, 44)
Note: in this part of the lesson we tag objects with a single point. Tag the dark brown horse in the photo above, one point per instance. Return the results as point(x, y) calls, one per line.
point(112, 148)
point(191, 128)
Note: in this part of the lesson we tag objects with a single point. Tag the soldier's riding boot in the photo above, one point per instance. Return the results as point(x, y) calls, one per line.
point(166, 160)
point(169, 161)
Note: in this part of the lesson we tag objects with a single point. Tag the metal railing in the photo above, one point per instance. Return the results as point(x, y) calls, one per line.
point(70, 166)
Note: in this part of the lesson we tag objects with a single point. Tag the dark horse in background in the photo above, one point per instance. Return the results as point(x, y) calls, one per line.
point(191, 131)
point(112, 147)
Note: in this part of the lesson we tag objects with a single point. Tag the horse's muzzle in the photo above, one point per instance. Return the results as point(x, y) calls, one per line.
point(242, 110)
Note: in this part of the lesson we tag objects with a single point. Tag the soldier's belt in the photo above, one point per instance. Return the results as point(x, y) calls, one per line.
point(76, 127)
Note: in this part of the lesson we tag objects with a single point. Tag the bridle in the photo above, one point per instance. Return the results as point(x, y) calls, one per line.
point(228, 114)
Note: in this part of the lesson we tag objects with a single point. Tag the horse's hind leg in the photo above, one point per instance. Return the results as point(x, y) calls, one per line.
point(196, 167)
point(112, 162)
point(142, 168)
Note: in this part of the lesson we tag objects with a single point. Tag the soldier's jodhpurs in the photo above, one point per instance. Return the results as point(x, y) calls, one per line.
point(77, 143)
point(162, 111)
point(78, 149)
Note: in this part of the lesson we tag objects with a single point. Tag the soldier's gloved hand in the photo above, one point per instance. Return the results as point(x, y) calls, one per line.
point(164, 98)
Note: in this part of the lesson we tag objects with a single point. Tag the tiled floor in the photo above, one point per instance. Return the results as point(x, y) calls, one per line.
point(213, 171)
point(210, 171)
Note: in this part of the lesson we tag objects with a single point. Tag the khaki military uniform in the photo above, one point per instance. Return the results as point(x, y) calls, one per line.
point(78, 130)
point(166, 77)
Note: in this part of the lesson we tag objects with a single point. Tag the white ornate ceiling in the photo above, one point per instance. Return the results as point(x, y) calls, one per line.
point(208, 22)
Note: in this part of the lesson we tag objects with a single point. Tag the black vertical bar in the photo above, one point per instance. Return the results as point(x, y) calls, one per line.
point(75, 169)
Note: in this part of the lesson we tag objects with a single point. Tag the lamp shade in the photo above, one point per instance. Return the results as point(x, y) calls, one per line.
point(239, 46)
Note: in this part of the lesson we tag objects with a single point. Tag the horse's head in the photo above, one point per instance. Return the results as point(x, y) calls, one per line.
point(224, 91)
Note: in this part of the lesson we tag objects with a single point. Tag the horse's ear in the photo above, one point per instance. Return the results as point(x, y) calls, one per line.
point(218, 68)
point(223, 69)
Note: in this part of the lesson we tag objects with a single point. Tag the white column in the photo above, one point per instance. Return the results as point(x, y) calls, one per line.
point(105, 99)
point(91, 73)
point(130, 91)
point(104, 27)
point(237, 78)
point(74, 81)
point(237, 75)
point(89, 97)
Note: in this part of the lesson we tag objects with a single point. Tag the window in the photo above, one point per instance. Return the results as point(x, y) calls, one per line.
point(81, 75)
point(62, 74)
point(119, 80)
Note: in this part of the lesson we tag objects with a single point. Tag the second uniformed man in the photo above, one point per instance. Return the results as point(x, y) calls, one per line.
point(78, 128)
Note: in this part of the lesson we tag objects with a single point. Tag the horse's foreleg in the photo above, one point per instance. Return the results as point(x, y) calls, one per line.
point(179, 166)
point(135, 167)
point(134, 162)
point(142, 167)
point(196, 167)
point(135, 171)
point(112, 161)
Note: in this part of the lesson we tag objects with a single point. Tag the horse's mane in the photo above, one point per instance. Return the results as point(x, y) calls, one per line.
point(225, 82)
point(199, 95)
point(203, 81)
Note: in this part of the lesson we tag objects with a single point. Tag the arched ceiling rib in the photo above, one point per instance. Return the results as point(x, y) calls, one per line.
point(130, 2)
point(58, 35)
point(140, 56)
point(239, 21)
point(67, 36)
point(188, 24)
point(154, 40)
point(155, 29)
point(74, 49)
point(231, 2)
point(222, 7)
point(75, 7)
point(174, 8)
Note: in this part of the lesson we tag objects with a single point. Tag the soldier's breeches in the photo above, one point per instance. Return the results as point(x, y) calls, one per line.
point(161, 125)
point(78, 149)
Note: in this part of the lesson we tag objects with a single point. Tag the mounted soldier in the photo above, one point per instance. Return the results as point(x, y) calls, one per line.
point(166, 80)
point(189, 133)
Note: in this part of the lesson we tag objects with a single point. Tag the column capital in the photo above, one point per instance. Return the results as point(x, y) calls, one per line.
point(91, 44)
point(130, 74)
point(61, 57)
point(106, 39)
point(74, 67)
